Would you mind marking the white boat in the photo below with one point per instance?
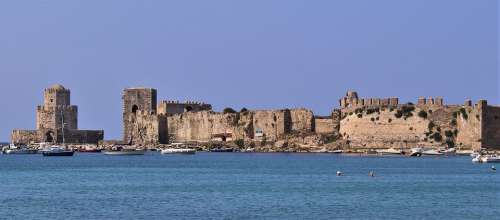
(337, 152)
(449, 151)
(390, 151)
(431, 152)
(178, 151)
(416, 152)
(486, 159)
(124, 152)
(13, 149)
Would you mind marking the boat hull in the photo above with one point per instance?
(222, 150)
(21, 152)
(124, 153)
(58, 154)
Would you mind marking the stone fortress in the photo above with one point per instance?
(359, 123)
(52, 117)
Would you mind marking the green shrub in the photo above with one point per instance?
(431, 125)
(422, 114)
(372, 119)
(437, 137)
(448, 133)
(398, 114)
(228, 110)
(463, 112)
(450, 143)
(240, 143)
(360, 115)
(244, 109)
(453, 122)
(389, 120)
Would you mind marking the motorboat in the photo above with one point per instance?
(486, 159)
(337, 152)
(390, 151)
(13, 149)
(222, 149)
(122, 151)
(431, 152)
(178, 151)
(57, 151)
(416, 152)
(449, 151)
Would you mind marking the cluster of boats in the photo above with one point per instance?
(485, 158)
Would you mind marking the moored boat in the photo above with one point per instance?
(223, 149)
(390, 151)
(416, 152)
(121, 151)
(486, 159)
(57, 151)
(178, 151)
(431, 152)
(13, 149)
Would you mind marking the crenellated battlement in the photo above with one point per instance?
(171, 107)
(351, 100)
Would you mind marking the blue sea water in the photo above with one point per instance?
(246, 186)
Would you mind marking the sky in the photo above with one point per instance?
(260, 54)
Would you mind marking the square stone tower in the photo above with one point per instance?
(56, 108)
(135, 101)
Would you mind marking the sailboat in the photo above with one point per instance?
(56, 150)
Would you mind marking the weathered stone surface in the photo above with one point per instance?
(57, 109)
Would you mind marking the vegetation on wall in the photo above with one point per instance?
(422, 114)
(228, 110)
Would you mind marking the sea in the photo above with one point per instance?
(246, 186)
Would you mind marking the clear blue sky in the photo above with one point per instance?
(257, 54)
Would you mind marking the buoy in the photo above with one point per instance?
(339, 173)
(493, 168)
(372, 174)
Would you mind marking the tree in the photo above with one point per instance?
(422, 114)
(229, 110)
(244, 109)
(240, 143)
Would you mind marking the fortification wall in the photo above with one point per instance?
(176, 107)
(203, 125)
(50, 117)
(469, 127)
(302, 120)
(24, 136)
(324, 125)
(490, 127)
(146, 128)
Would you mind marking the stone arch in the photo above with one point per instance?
(135, 108)
(49, 136)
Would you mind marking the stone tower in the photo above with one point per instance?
(56, 108)
(135, 101)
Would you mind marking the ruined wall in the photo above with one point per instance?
(176, 107)
(24, 136)
(274, 123)
(134, 100)
(51, 117)
(82, 136)
(203, 125)
(491, 126)
(324, 125)
(302, 120)
(146, 129)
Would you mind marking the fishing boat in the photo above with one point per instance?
(57, 151)
(13, 149)
(431, 152)
(178, 151)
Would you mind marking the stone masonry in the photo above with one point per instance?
(52, 117)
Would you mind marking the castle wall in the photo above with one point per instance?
(302, 120)
(490, 127)
(324, 125)
(274, 123)
(135, 100)
(174, 107)
(24, 136)
(383, 130)
(146, 129)
(50, 117)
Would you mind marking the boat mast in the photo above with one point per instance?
(62, 126)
